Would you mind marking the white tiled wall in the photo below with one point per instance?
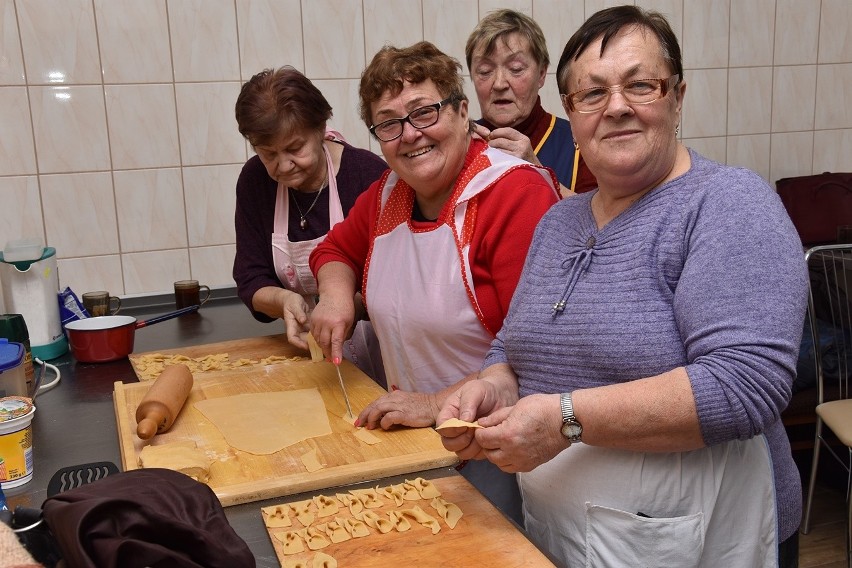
(120, 149)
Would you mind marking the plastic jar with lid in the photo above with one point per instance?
(13, 378)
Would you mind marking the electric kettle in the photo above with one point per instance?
(30, 283)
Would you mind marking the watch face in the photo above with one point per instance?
(572, 431)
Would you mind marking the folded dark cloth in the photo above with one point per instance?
(147, 517)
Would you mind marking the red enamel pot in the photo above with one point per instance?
(107, 338)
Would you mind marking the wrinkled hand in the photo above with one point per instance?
(509, 140)
(524, 436)
(295, 316)
(413, 409)
(473, 400)
(332, 321)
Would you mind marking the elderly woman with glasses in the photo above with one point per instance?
(651, 345)
(436, 246)
(507, 57)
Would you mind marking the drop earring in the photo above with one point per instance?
(576, 146)
(677, 130)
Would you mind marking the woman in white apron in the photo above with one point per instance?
(638, 380)
(436, 245)
(302, 182)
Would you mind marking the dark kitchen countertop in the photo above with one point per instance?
(75, 424)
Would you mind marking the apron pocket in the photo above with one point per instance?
(617, 538)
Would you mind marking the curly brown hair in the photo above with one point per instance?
(391, 67)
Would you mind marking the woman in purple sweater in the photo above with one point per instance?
(657, 321)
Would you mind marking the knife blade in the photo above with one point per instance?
(343, 386)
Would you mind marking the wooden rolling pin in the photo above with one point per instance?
(163, 402)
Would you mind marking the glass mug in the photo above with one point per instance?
(101, 303)
(188, 293)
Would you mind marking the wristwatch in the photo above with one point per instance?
(571, 428)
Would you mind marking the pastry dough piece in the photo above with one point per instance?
(425, 488)
(400, 522)
(305, 511)
(409, 492)
(296, 563)
(276, 516)
(422, 517)
(291, 542)
(393, 492)
(266, 422)
(182, 455)
(366, 436)
(355, 527)
(323, 560)
(450, 512)
(336, 532)
(316, 351)
(355, 505)
(326, 506)
(456, 423)
(316, 538)
(376, 521)
(311, 461)
(369, 497)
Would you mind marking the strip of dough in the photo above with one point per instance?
(456, 423)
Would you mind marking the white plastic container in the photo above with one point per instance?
(31, 288)
(16, 441)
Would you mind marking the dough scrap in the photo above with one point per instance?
(311, 461)
(366, 436)
(267, 422)
(182, 455)
(276, 516)
(316, 351)
(456, 423)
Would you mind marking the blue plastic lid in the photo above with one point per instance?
(11, 354)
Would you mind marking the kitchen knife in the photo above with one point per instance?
(343, 386)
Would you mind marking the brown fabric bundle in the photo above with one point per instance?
(146, 517)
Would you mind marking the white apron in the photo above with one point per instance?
(599, 508)
(291, 258)
(294, 271)
(423, 307)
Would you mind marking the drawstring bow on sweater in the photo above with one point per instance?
(574, 266)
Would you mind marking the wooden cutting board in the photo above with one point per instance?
(240, 477)
(483, 537)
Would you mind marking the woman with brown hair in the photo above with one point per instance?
(303, 180)
(436, 245)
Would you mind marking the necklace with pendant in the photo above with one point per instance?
(303, 222)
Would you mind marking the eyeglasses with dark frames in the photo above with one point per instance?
(638, 92)
(419, 118)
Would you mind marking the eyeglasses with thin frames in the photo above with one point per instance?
(419, 118)
(638, 92)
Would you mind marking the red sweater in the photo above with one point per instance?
(506, 218)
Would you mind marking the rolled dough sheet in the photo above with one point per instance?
(267, 422)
